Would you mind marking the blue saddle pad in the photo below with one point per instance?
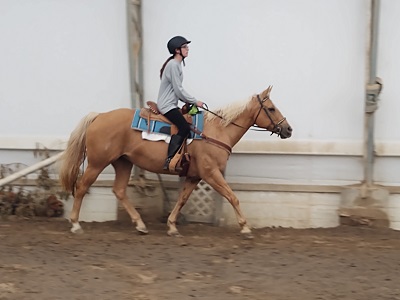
(141, 124)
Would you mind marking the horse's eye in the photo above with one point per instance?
(271, 109)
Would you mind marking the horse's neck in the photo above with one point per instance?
(232, 133)
(245, 121)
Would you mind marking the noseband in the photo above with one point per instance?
(276, 126)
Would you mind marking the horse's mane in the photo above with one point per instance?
(228, 113)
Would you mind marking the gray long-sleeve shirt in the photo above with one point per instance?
(171, 90)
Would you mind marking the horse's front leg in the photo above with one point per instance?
(217, 181)
(188, 187)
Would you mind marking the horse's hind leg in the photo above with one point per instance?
(123, 169)
(187, 189)
(88, 178)
(218, 183)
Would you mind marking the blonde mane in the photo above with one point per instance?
(228, 113)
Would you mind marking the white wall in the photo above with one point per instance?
(387, 116)
(387, 133)
(312, 52)
(59, 61)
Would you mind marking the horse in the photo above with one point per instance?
(107, 138)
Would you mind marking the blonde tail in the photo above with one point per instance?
(74, 154)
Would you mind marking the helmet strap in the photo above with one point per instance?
(180, 53)
(183, 58)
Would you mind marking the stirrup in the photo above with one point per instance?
(166, 164)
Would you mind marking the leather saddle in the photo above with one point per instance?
(180, 162)
(151, 113)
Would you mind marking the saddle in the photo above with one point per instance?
(152, 113)
(180, 162)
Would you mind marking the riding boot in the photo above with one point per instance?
(173, 147)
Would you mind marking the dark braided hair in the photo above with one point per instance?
(163, 66)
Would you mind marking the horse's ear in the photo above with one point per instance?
(267, 92)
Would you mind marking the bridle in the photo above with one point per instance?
(276, 129)
(276, 126)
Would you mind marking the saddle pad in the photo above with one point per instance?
(141, 124)
(160, 137)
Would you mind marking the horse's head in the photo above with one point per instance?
(269, 117)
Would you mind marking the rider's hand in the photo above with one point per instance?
(199, 104)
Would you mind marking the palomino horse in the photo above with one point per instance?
(107, 138)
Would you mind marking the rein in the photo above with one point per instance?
(276, 129)
(220, 144)
(205, 107)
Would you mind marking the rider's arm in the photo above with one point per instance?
(176, 81)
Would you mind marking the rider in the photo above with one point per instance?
(171, 91)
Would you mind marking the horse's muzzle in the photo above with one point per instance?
(285, 132)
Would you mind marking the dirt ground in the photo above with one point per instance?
(41, 259)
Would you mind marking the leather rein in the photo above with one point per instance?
(276, 126)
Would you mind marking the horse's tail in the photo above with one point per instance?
(74, 154)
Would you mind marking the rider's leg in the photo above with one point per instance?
(175, 116)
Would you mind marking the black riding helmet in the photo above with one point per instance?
(176, 43)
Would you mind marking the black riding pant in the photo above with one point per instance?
(175, 116)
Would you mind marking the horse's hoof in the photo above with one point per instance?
(142, 230)
(248, 236)
(77, 230)
(174, 234)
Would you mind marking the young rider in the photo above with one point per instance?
(171, 91)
